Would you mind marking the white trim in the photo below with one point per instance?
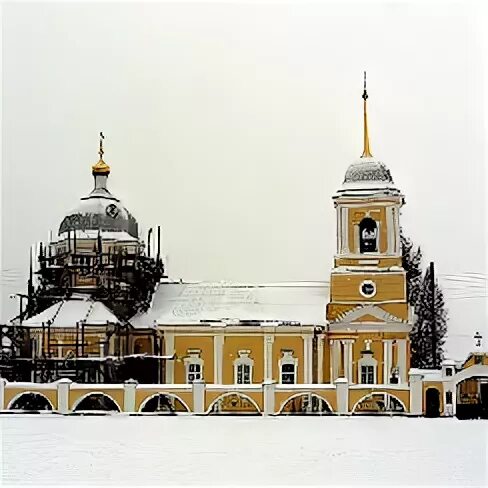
(307, 358)
(402, 359)
(243, 360)
(218, 343)
(367, 282)
(320, 359)
(368, 360)
(193, 359)
(287, 358)
(169, 349)
(390, 230)
(268, 357)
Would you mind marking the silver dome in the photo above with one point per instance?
(368, 170)
(100, 210)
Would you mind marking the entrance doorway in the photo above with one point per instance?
(432, 403)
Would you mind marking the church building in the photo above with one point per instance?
(104, 313)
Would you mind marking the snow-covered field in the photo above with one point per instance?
(122, 450)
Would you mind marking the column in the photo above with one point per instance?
(169, 349)
(390, 231)
(307, 358)
(335, 351)
(402, 360)
(347, 358)
(416, 387)
(218, 357)
(342, 395)
(387, 354)
(130, 387)
(268, 357)
(3, 383)
(198, 388)
(63, 387)
(269, 397)
(320, 359)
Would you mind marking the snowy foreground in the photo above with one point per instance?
(123, 450)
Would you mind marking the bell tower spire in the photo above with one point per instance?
(366, 150)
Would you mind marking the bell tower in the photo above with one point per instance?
(368, 301)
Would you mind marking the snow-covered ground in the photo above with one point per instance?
(122, 450)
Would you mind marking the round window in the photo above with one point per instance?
(367, 288)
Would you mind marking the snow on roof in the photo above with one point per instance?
(189, 303)
(67, 313)
(428, 374)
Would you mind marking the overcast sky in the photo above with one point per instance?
(232, 124)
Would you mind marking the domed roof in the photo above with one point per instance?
(100, 210)
(368, 170)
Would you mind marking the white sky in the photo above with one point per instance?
(232, 125)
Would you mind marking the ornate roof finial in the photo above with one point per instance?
(366, 150)
(102, 137)
(101, 168)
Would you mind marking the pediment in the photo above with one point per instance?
(368, 313)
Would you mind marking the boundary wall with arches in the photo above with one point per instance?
(269, 398)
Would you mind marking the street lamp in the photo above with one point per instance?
(478, 340)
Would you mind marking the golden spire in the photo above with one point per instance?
(101, 168)
(366, 150)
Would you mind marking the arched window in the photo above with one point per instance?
(288, 368)
(243, 367)
(193, 366)
(367, 366)
(368, 235)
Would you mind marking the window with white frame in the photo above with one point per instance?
(193, 366)
(243, 367)
(288, 368)
(367, 366)
(367, 375)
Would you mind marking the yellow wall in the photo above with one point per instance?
(232, 345)
(11, 393)
(205, 344)
(378, 214)
(345, 287)
(295, 343)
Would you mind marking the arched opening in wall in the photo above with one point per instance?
(31, 402)
(164, 404)
(378, 402)
(305, 404)
(234, 404)
(368, 235)
(96, 402)
(432, 402)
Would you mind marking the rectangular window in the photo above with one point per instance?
(288, 374)
(243, 374)
(449, 372)
(449, 397)
(194, 372)
(367, 375)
